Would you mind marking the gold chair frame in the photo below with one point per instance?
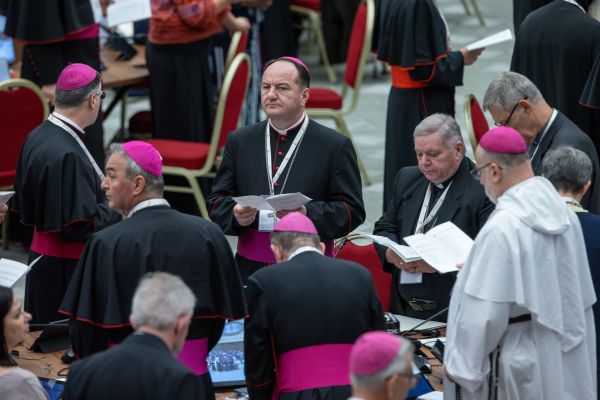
(338, 115)
(476, 8)
(469, 120)
(213, 159)
(232, 49)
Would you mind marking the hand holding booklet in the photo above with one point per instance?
(11, 271)
(278, 202)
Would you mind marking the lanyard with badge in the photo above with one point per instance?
(58, 122)
(267, 219)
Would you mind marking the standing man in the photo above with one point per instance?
(305, 313)
(286, 154)
(550, 39)
(513, 100)
(143, 367)
(58, 190)
(520, 323)
(154, 237)
(439, 190)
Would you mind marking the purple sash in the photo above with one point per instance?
(256, 246)
(313, 367)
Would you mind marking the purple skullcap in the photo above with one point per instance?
(503, 140)
(145, 155)
(74, 76)
(297, 61)
(373, 352)
(296, 222)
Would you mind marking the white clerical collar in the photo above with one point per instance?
(148, 203)
(576, 4)
(68, 121)
(283, 132)
(303, 249)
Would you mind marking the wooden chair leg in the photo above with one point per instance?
(343, 129)
(478, 12)
(315, 21)
(466, 7)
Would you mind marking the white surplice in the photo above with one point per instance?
(529, 258)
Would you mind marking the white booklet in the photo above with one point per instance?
(11, 271)
(442, 247)
(405, 252)
(122, 11)
(5, 197)
(496, 38)
(278, 202)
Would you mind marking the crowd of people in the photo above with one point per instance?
(147, 289)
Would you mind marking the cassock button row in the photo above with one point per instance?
(280, 153)
(276, 168)
(276, 184)
(283, 138)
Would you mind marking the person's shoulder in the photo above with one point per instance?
(408, 176)
(22, 381)
(569, 134)
(325, 134)
(248, 132)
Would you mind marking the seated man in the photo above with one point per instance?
(305, 313)
(154, 237)
(570, 171)
(381, 367)
(513, 100)
(439, 190)
(144, 365)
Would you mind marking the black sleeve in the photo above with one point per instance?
(378, 319)
(259, 363)
(344, 209)
(446, 72)
(190, 387)
(81, 232)
(387, 225)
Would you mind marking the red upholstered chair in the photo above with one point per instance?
(23, 107)
(365, 255)
(328, 103)
(311, 9)
(476, 122)
(197, 160)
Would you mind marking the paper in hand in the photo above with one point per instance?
(496, 38)
(122, 11)
(5, 196)
(286, 201)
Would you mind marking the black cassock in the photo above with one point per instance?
(521, 8)
(410, 35)
(563, 132)
(141, 368)
(58, 193)
(337, 18)
(43, 26)
(324, 169)
(305, 314)
(556, 49)
(156, 238)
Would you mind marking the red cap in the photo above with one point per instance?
(75, 76)
(296, 222)
(503, 140)
(145, 155)
(373, 352)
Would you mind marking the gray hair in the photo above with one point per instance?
(76, 97)
(508, 89)
(568, 169)
(443, 124)
(507, 161)
(290, 241)
(372, 383)
(154, 184)
(159, 300)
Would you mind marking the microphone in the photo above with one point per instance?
(414, 329)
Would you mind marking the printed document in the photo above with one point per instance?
(278, 202)
(496, 38)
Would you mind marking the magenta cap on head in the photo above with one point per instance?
(503, 140)
(373, 352)
(74, 76)
(297, 61)
(296, 222)
(145, 155)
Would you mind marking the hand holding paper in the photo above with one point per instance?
(496, 38)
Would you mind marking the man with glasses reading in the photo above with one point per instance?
(438, 190)
(58, 190)
(513, 100)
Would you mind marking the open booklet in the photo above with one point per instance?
(442, 247)
(11, 271)
(278, 202)
(5, 196)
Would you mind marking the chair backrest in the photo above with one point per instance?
(229, 105)
(358, 48)
(476, 122)
(23, 107)
(237, 45)
(366, 256)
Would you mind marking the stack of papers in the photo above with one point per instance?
(278, 202)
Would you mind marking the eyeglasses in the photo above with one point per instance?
(102, 94)
(476, 173)
(505, 123)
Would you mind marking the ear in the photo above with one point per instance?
(586, 187)
(495, 172)
(460, 149)
(139, 184)
(276, 252)
(91, 101)
(322, 247)
(391, 387)
(305, 95)
(526, 106)
(182, 325)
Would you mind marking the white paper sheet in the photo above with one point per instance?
(279, 202)
(5, 196)
(11, 271)
(496, 38)
(432, 396)
(405, 252)
(122, 11)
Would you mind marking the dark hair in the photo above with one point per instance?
(76, 97)
(6, 302)
(303, 74)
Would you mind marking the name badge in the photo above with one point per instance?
(266, 221)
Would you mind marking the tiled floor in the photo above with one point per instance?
(367, 123)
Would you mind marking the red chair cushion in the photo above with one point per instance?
(141, 122)
(177, 153)
(368, 258)
(7, 178)
(480, 124)
(314, 5)
(324, 98)
(234, 101)
(355, 45)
